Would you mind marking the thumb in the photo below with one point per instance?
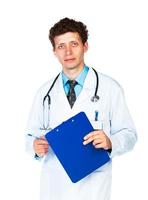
(42, 137)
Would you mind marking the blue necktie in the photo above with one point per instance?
(71, 96)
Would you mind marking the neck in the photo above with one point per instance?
(73, 73)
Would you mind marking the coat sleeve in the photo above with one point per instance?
(34, 125)
(123, 132)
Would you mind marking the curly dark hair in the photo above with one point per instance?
(68, 25)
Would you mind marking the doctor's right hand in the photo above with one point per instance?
(41, 146)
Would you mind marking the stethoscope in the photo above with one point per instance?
(47, 99)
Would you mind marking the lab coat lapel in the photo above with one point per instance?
(87, 90)
(85, 95)
(60, 96)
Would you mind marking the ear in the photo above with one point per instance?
(54, 52)
(85, 46)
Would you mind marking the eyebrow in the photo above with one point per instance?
(61, 43)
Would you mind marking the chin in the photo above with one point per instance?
(70, 66)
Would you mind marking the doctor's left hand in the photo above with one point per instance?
(99, 140)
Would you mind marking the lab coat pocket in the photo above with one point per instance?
(98, 125)
(101, 124)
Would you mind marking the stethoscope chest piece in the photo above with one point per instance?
(95, 98)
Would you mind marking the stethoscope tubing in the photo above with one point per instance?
(95, 98)
(48, 96)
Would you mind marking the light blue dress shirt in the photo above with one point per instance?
(80, 79)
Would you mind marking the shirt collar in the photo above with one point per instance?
(80, 78)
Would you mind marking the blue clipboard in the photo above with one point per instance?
(66, 140)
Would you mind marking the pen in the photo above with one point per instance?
(33, 136)
(96, 115)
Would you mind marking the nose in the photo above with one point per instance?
(68, 50)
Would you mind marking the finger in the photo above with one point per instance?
(97, 132)
(88, 136)
(45, 146)
(42, 151)
(45, 150)
(101, 145)
(42, 147)
(97, 141)
(88, 141)
(42, 142)
(98, 146)
(91, 138)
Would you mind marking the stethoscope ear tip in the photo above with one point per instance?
(95, 98)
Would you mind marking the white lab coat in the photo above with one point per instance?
(117, 124)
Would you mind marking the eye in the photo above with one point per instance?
(74, 44)
(61, 46)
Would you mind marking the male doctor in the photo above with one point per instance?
(72, 93)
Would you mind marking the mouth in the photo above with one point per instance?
(69, 59)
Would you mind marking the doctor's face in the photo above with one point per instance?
(70, 50)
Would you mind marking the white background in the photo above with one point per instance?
(118, 44)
